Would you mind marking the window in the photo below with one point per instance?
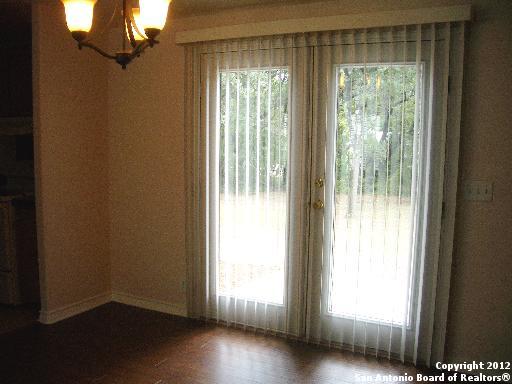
(253, 162)
(376, 152)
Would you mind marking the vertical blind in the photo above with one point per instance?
(354, 120)
(253, 147)
(379, 96)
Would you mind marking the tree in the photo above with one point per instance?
(375, 131)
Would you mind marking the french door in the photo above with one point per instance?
(369, 193)
(257, 185)
(321, 179)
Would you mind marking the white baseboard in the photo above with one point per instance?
(151, 304)
(56, 315)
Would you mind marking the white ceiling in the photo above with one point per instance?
(194, 7)
(189, 7)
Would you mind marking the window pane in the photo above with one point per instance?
(253, 162)
(373, 227)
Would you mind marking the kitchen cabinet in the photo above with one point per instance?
(9, 292)
(19, 281)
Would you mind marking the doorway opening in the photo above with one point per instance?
(19, 267)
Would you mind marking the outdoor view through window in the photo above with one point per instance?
(376, 152)
(253, 161)
(373, 235)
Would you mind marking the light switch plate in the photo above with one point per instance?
(478, 191)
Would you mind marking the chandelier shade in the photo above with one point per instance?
(141, 26)
(153, 13)
(138, 29)
(79, 14)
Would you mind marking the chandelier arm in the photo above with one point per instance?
(134, 24)
(141, 47)
(124, 22)
(99, 50)
(128, 23)
(148, 44)
(125, 56)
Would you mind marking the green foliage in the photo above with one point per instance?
(253, 130)
(375, 131)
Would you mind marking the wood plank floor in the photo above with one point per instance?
(117, 344)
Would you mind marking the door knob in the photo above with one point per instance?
(319, 182)
(319, 204)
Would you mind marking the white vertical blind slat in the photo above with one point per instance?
(400, 185)
(215, 200)
(439, 191)
(237, 165)
(247, 171)
(226, 209)
(419, 151)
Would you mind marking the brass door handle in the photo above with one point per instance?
(319, 204)
(319, 182)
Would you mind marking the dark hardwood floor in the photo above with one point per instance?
(12, 318)
(120, 344)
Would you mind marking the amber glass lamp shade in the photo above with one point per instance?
(79, 14)
(153, 15)
(140, 28)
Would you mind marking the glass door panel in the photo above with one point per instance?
(369, 144)
(253, 184)
(256, 186)
(373, 193)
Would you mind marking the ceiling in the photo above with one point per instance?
(177, 7)
(194, 7)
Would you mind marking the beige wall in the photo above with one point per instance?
(146, 176)
(70, 98)
(145, 161)
(480, 313)
(147, 180)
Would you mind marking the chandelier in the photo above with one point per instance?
(141, 26)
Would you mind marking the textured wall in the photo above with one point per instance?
(70, 115)
(480, 313)
(147, 180)
(146, 177)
